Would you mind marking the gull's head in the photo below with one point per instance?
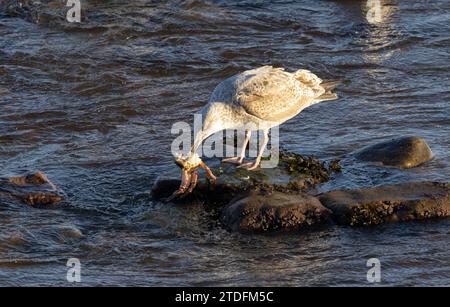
(187, 162)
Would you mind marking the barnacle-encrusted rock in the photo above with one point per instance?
(262, 211)
(389, 203)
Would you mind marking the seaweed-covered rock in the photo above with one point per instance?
(33, 189)
(389, 203)
(261, 211)
(308, 167)
(294, 173)
(403, 152)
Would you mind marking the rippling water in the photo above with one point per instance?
(92, 105)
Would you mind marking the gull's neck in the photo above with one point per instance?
(216, 116)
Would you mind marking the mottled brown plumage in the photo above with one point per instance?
(257, 99)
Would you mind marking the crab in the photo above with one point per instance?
(189, 177)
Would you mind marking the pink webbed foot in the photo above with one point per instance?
(250, 166)
(233, 160)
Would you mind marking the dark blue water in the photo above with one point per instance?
(92, 105)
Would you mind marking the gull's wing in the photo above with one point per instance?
(275, 95)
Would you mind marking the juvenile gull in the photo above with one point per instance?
(260, 99)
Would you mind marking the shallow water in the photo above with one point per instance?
(92, 105)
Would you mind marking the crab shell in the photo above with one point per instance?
(188, 163)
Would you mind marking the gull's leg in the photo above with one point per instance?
(253, 165)
(238, 160)
(185, 184)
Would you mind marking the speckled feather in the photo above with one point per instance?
(264, 97)
(270, 94)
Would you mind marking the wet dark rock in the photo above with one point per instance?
(293, 173)
(276, 199)
(32, 189)
(389, 203)
(404, 152)
(262, 211)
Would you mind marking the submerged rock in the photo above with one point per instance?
(259, 211)
(389, 203)
(293, 173)
(33, 189)
(404, 152)
(69, 232)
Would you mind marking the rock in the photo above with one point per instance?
(389, 203)
(33, 189)
(293, 173)
(257, 211)
(69, 232)
(404, 152)
(164, 186)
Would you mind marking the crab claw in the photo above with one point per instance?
(193, 183)
(209, 173)
(185, 184)
(189, 178)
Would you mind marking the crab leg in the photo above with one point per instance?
(185, 183)
(194, 179)
(208, 171)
